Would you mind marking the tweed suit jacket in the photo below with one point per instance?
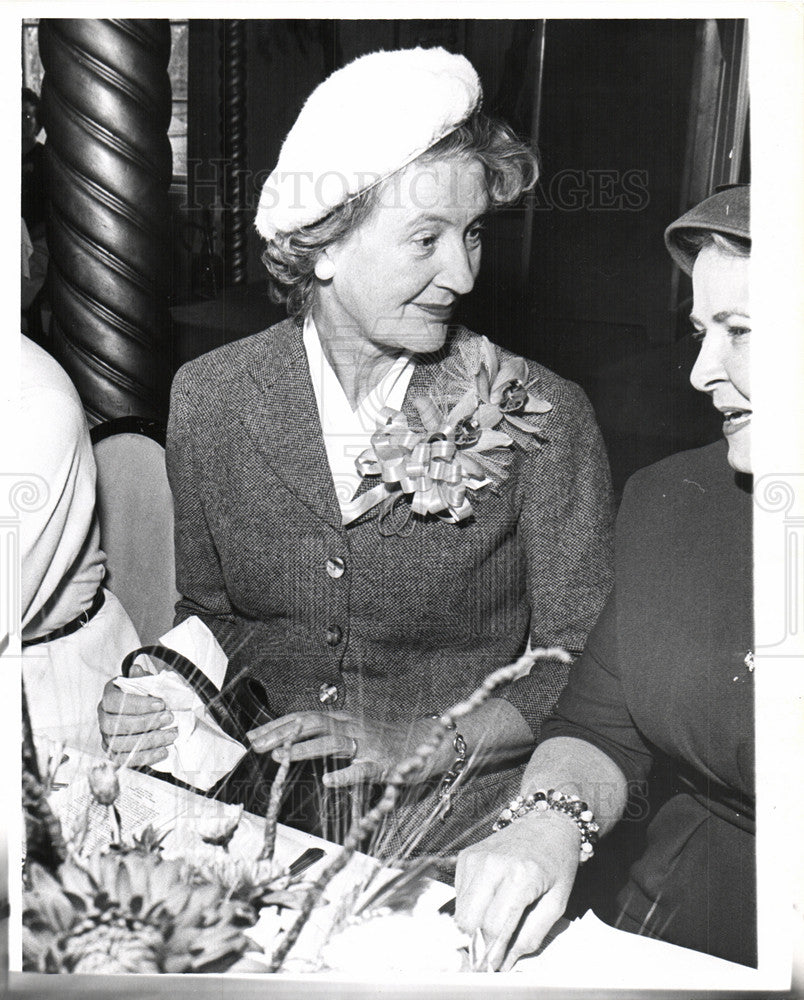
(414, 623)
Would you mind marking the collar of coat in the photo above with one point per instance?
(280, 412)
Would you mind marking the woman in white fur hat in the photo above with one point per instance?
(375, 507)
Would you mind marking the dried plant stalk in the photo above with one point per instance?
(275, 801)
(405, 769)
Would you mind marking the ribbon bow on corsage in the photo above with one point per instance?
(461, 451)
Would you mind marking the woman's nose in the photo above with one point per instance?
(457, 269)
(708, 369)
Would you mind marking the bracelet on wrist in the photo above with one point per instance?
(542, 801)
(451, 776)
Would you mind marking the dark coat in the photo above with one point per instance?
(664, 676)
(414, 623)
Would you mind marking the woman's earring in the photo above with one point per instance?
(324, 269)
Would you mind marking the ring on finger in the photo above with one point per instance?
(355, 746)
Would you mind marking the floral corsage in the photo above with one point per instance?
(457, 452)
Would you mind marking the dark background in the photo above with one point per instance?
(596, 298)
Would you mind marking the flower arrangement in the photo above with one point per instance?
(456, 451)
(129, 912)
(126, 907)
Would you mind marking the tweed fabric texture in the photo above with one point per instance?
(422, 619)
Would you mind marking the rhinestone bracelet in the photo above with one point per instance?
(578, 811)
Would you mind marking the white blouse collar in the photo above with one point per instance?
(348, 432)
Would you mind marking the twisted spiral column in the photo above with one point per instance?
(233, 137)
(106, 101)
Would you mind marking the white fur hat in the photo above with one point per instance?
(363, 123)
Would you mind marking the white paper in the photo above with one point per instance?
(596, 953)
(202, 753)
(194, 640)
(176, 812)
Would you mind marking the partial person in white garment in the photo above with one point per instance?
(75, 633)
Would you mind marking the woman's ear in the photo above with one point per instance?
(324, 268)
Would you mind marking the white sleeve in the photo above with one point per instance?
(56, 455)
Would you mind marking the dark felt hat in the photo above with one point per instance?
(726, 212)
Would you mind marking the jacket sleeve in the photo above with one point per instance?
(593, 707)
(199, 576)
(54, 535)
(565, 528)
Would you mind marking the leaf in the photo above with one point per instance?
(149, 841)
(218, 946)
(176, 962)
(42, 882)
(492, 439)
(37, 947)
(430, 415)
(78, 903)
(48, 901)
(489, 359)
(522, 425)
(482, 385)
(512, 369)
(536, 405)
(493, 466)
(58, 911)
(123, 885)
(488, 415)
(77, 881)
(470, 465)
(464, 408)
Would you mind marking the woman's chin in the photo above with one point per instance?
(422, 336)
(739, 455)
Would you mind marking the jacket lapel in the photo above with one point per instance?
(429, 379)
(281, 416)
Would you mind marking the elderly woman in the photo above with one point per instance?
(374, 507)
(667, 671)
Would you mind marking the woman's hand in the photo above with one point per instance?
(372, 747)
(514, 885)
(132, 725)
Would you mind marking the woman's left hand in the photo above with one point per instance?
(514, 885)
(372, 747)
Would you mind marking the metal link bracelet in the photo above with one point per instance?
(452, 775)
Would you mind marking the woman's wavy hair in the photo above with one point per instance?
(511, 168)
(693, 242)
